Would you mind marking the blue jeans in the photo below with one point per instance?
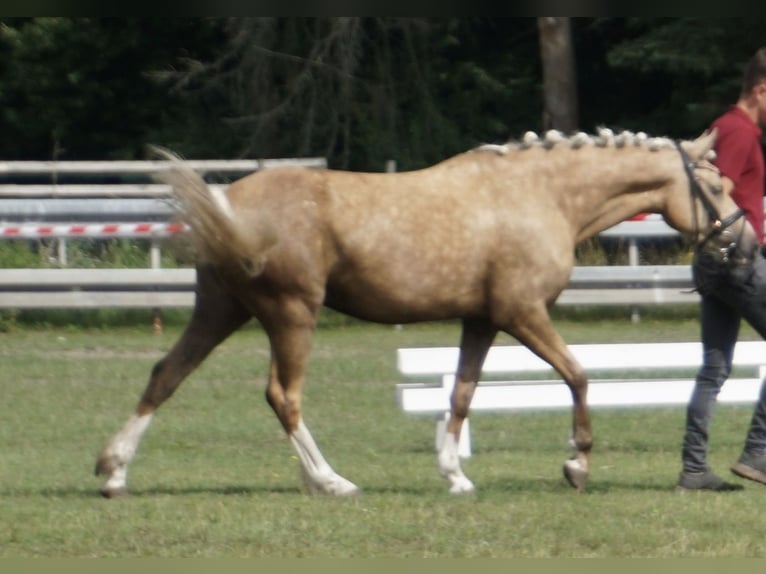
(730, 292)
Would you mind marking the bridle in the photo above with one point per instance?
(717, 224)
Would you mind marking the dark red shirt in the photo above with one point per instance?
(740, 158)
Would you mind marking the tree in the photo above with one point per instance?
(81, 88)
(357, 90)
(559, 79)
(666, 76)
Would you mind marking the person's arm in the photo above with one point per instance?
(727, 185)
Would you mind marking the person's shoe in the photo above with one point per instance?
(704, 481)
(751, 466)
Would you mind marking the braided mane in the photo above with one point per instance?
(605, 138)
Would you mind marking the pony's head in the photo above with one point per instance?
(697, 204)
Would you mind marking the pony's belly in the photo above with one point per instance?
(403, 306)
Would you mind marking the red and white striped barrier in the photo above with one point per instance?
(160, 230)
(94, 230)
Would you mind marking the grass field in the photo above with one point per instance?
(216, 477)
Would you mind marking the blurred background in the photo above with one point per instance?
(358, 91)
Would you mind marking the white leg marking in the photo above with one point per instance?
(575, 465)
(317, 473)
(449, 467)
(121, 451)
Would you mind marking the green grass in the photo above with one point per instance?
(216, 477)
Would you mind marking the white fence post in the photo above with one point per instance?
(154, 255)
(635, 314)
(61, 252)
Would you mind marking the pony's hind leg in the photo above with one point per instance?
(216, 315)
(477, 336)
(290, 334)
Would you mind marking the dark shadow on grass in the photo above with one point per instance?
(507, 486)
(254, 490)
(222, 490)
(85, 493)
(555, 485)
(50, 492)
(515, 484)
(596, 486)
(511, 486)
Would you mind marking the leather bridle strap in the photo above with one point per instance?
(696, 190)
(717, 225)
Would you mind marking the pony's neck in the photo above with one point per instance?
(621, 184)
(616, 209)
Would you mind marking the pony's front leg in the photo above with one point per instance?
(577, 468)
(116, 456)
(537, 333)
(477, 336)
(290, 350)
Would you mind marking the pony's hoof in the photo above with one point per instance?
(115, 485)
(462, 489)
(344, 487)
(575, 474)
(334, 485)
(113, 492)
(460, 485)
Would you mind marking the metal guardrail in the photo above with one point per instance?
(164, 288)
(630, 285)
(96, 288)
(55, 210)
(100, 168)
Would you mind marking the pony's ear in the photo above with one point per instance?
(702, 147)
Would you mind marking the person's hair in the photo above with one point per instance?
(755, 72)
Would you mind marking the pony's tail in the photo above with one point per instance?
(219, 234)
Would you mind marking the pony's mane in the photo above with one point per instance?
(604, 138)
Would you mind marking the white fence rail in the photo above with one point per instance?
(629, 375)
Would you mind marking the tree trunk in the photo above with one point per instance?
(559, 84)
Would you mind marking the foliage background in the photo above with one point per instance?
(358, 91)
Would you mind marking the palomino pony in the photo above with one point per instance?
(487, 236)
